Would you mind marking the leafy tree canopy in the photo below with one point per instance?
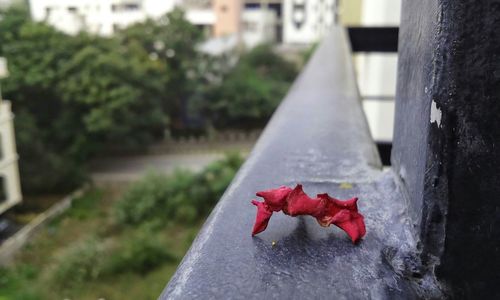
(249, 93)
(73, 95)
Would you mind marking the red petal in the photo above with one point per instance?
(263, 216)
(275, 198)
(300, 204)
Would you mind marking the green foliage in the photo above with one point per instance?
(141, 201)
(117, 95)
(140, 252)
(156, 200)
(72, 95)
(84, 207)
(81, 262)
(12, 282)
(250, 92)
(83, 259)
(183, 196)
(171, 42)
(75, 95)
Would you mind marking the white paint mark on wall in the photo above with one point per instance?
(435, 114)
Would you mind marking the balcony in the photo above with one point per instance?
(318, 137)
(432, 218)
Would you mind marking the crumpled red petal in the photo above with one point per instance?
(326, 210)
(263, 216)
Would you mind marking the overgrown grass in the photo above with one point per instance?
(118, 245)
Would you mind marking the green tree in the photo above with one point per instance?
(72, 95)
(116, 94)
(248, 93)
(172, 41)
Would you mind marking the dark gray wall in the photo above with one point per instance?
(447, 138)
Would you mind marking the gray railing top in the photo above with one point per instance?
(318, 137)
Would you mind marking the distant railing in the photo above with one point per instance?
(368, 40)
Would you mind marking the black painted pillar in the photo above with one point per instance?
(447, 139)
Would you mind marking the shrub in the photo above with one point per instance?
(13, 283)
(141, 252)
(137, 251)
(211, 183)
(182, 197)
(153, 195)
(79, 263)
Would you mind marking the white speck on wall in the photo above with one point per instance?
(435, 114)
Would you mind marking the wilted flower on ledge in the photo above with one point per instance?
(326, 210)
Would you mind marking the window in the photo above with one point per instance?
(48, 10)
(131, 6)
(72, 9)
(125, 7)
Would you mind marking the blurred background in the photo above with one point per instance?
(122, 122)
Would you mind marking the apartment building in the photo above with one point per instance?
(104, 17)
(307, 21)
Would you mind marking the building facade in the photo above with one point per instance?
(228, 16)
(104, 17)
(306, 22)
(10, 188)
(217, 18)
(259, 27)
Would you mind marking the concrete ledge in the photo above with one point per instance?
(318, 137)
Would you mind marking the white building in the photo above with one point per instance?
(198, 12)
(306, 21)
(104, 17)
(10, 188)
(258, 26)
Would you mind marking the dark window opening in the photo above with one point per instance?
(252, 5)
(3, 190)
(125, 7)
(384, 150)
(131, 6)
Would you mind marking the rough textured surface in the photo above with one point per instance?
(447, 138)
(416, 46)
(318, 137)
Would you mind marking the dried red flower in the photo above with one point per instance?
(326, 210)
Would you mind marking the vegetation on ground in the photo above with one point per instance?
(102, 248)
